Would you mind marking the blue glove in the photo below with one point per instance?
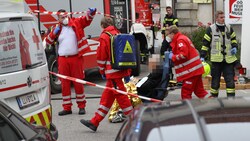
(234, 51)
(127, 79)
(170, 55)
(92, 11)
(56, 30)
(202, 59)
(103, 77)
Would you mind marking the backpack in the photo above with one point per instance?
(123, 51)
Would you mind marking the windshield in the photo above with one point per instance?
(20, 46)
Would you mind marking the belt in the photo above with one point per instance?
(68, 56)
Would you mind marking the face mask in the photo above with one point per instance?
(168, 39)
(65, 21)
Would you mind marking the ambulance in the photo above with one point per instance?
(24, 76)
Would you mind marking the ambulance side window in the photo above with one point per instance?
(20, 46)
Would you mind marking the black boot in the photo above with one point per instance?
(82, 111)
(230, 94)
(88, 124)
(64, 112)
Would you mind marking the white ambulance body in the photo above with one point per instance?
(24, 77)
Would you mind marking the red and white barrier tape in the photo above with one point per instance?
(103, 87)
(72, 13)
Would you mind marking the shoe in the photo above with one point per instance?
(82, 111)
(88, 124)
(211, 96)
(119, 117)
(64, 112)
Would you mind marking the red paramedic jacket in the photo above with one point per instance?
(186, 58)
(78, 25)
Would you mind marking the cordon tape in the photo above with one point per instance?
(84, 12)
(103, 87)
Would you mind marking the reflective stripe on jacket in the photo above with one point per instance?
(186, 58)
(216, 45)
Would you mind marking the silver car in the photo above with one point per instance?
(224, 119)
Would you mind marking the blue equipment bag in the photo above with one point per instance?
(123, 51)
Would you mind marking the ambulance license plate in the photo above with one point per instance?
(27, 100)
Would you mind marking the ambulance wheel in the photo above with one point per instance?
(55, 83)
(136, 71)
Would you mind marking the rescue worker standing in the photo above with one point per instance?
(220, 40)
(72, 45)
(114, 78)
(187, 64)
(169, 19)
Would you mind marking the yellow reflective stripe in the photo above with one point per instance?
(233, 35)
(169, 19)
(175, 21)
(142, 54)
(230, 90)
(207, 37)
(127, 63)
(46, 119)
(213, 91)
(28, 118)
(111, 43)
(37, 119)
(204, 48)
(234, 41)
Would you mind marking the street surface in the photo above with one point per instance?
(69, 126)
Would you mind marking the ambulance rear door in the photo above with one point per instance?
(24, 78)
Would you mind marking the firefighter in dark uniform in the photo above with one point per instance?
(169, 20)
(220, 40)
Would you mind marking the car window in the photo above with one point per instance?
(226, 115)
(18, 121)
(20, 46)
(6, 131)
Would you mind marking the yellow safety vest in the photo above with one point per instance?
(216, 46)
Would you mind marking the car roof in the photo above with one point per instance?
(203, 117)
(5, 16)
(178, 108)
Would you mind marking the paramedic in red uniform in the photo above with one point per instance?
(113, 77)
(72, 45)
(187, 64)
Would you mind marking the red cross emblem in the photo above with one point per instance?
(35, 39)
